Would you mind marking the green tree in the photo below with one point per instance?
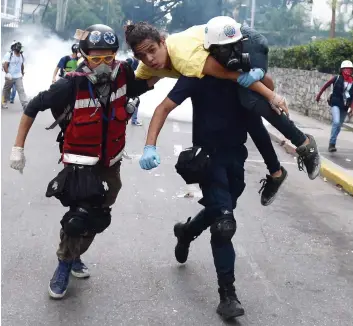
(151, 11)
(284, 27)
(195, 12)
(83, 13)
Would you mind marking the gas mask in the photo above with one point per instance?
(103, 73)
(17, 47)
(231, 56)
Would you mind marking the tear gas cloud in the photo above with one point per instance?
(42, 52)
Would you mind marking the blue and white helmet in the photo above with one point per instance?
(222, 30)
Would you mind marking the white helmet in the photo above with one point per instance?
(222, 30)
(346, 64)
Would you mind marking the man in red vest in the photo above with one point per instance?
(91, 106)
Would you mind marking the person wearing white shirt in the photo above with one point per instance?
(14, 69)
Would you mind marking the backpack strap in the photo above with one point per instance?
(61, 117)
(66, 111)
(11, 53)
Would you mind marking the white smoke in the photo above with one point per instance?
(152, 99)
(43, 50)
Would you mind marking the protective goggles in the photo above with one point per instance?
(98, 59)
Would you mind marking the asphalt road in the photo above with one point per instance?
(294, 258)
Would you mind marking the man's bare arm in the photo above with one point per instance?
(160, 115)
(23, 129)
(55, 73)
(6, 67)
(268, 82)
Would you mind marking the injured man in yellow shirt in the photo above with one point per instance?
(224, 49)
(184, 54)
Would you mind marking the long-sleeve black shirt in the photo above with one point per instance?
(63, 92)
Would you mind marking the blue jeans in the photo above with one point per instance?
(338, 117)
(13, 93)
(224, 185)
(134, 115)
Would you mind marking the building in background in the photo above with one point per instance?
(11, 11)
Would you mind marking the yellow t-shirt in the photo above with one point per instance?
(186, 53)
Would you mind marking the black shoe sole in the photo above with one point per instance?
(269, 202)
(235, 314)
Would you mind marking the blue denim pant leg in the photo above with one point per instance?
(134, 115)
(13, 93)
(338, 117)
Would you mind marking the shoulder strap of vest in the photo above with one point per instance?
(66, 111)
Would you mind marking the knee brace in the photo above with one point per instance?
(75, 222)
(223, 229)
(78, 221)
(100, 219)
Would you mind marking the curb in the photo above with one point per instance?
(329, 170)
(348, 126)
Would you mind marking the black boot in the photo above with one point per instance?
(332, 148)
(184, 239)
(230, 306)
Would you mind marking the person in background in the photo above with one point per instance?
(67, 63)
(13, 89)
(340, 101)
(13, 94)
(133, 62)
(13, 66)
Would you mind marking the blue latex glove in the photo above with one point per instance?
(150, 158)
(248, 78)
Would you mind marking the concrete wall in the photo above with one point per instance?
(300, 88)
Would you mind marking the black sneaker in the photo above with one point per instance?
(229, 306)
(332, 148)
(310, 157)
(184, 240)
(270, 187)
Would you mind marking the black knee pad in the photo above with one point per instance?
(75, 222)
(223, 229)
(100, 219)
(79, 221)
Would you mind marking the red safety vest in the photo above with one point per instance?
(83, 138)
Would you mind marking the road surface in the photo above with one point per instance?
(294, 258)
